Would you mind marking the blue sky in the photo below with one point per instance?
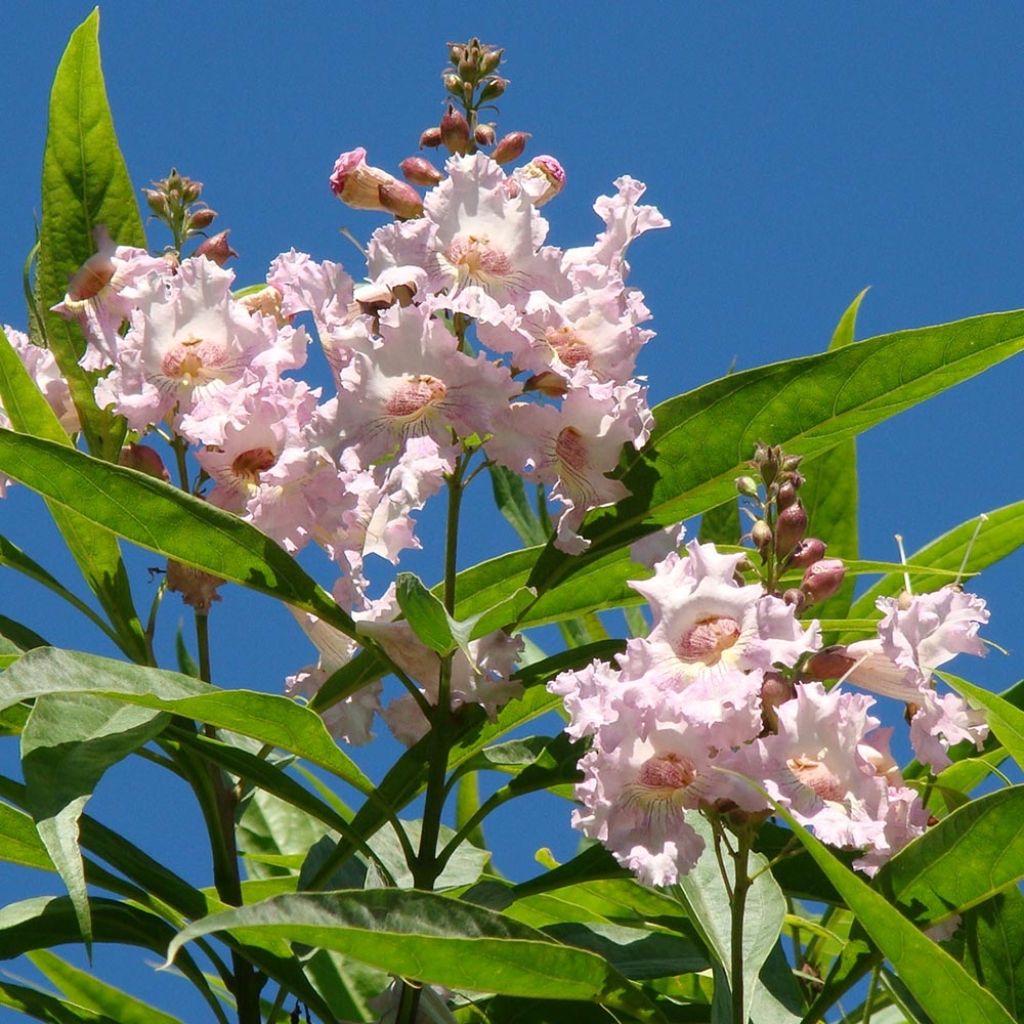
(802, 152)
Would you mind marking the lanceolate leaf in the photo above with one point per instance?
(67, 744)
(514, 505)
(703, 438)
(1007, 722)
(941, 985)
(31, 1002)
(162, 518)
(85, 185)
(993, 940)
(436, 940)
(263, 716)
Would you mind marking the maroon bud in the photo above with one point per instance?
(455, 131)
(790, 528)
(430, 139)
(510, 147)
(156, 201)
(795, 597)
(484, 135)
(145, 459)
(807, 552)
(400, 199)
(200, 220)
(829, 663)
(823, 579)
(775, 690)
(420, 171)
(216, 248)
(786, 495)
(493, 89)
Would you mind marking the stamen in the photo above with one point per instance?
(982, 520)
(903, 561)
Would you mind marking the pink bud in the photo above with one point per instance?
(548, 170)
(145, 459)
(808, 551)
(216, 248)
(431, 138)
(400, 199)
(823, 579)
(775, 690)
(455, 131)
(790, 528)
(420, 171)
(202, 219)
(484, 135)
(829, 663)
(510, 147)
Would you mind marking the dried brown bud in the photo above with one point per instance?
(808, 551)
(823, 579)
(430, 139)
(419, 171)
(790, 528)
(510, 147)
(484, 135)
(400, 199)
(144, 459)
(216, 248)
(547, 383)
(455, 131)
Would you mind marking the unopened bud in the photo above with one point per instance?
(455, 131)
(430, 139)
(198, 589)
(510, 147)
(786, 495)
(490, 60)
(216, 248)
(795, 597)
(484, 135)
(144, 459)
(761, 535)
(456, 52)
(747, 486)
(791, 462)
(156, 201)
(807, 551)
(542, 179)
(420, 171)
(356, 183)
(775, 690)
(828, 663)
(493, 89)
(201, 219)
(790, 528)
(400, 199)
(822, 579)
(453, 84)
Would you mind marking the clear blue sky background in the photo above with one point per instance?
(802, 151)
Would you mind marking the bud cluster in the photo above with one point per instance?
(175, 201)
(780, 528)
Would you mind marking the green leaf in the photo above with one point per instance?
(721, 525)
(1000, 535)
(262, 716)
(941, 985)
(846, 329)
(993, 937)
(85, 990)
(705, 895)
(85, 184)
(436, 940)
(45, 1007)
(68, 742)
(1006, 721)
(964, 860)
(20, 842)
(94, 549)
(514, 505)
(162, 518)
(426, 614)
(703, 438)
(21, 636)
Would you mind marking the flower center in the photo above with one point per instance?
(570, 449)
(415, 395)
(660, 787)
(248, 466)
(815, 775)
(568, 345)
(474, 256)
(707, 640)
(193, 361)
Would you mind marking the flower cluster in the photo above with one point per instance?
(724, 689)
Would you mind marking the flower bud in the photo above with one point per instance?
(356, 183)
(828, 663)
(201, 219)
(747, 486)
(775, 690)
(786, 495)
(790, 528)
(400, 199)
(791, 462)
(456, 52)
(452, 83)
(430, 139)
(156, 201)
(490, 60)
(795, 597)
(807, 552)
(761, 535)
(144, 459)
(510, 147)
(197, 588)
(484, 135)
(420, 171)
(543, 178)
(493, 89)
(455, 131)
(216, 248)
(823, 579)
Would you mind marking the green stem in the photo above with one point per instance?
(740, 887)
(872, 990)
